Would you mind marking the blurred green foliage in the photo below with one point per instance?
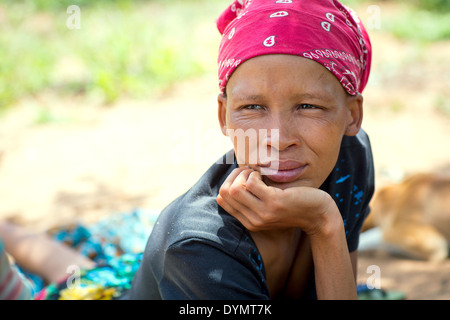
(139, 47)
(433, 5)
(423, 21)
(58, 5)
(420, 25)
(123, 47)
(439, 6)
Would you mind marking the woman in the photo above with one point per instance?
(284, 225)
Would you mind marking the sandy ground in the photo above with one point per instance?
(95, 161)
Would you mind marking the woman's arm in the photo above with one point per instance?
(260, 207)
(333, 266)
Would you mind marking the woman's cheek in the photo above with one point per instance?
(245, 133)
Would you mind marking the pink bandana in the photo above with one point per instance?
(322, 30)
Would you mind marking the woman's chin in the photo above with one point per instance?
(286, 185)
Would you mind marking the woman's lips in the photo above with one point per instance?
(283, 171)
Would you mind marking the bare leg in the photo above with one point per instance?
(39, 253)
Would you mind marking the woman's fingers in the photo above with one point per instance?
(233, 190)
(230, 179)
(224, 199)
(234, 207)
(257, 206)
(234, 186)
(238, 201)
(236, 210)
(256, 185)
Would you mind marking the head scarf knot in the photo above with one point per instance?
(325, 31)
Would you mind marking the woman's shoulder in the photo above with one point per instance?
(196, 215)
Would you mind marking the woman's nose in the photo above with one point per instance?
(284, 134)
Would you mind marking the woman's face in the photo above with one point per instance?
(307, 106)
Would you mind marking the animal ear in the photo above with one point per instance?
(355, 107)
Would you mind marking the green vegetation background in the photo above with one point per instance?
(139, 48)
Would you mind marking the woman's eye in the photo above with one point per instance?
(253, 107)
(306, 106)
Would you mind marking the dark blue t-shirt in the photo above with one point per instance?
(198, 251)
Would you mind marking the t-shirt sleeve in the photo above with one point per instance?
(200, 269)
(352, 185)
(353, 239)
(366, 175)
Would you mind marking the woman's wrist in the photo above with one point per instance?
(330, 223)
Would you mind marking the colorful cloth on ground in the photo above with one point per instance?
(13, 285)
(105, 282)
(369, 293)
(116, 244)
(322, 30)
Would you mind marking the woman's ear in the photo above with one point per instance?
(222, 101)
(355, 107)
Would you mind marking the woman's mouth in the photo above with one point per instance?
(283, 171)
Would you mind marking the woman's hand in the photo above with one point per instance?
(260, 207)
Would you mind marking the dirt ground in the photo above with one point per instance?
(91, 161)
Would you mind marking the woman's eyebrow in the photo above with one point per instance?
(252, 97)
(300, 96)
(315, 96)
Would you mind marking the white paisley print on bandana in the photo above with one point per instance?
(325, 31)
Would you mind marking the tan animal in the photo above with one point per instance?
(414, 216)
